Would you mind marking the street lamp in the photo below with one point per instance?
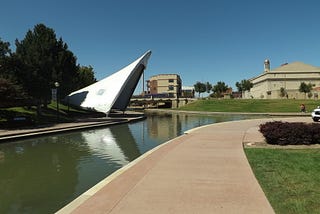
(56, 84)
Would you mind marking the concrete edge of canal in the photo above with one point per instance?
(18, 134)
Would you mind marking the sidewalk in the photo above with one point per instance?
(203, 171)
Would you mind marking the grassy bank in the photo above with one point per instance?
(250, 105)
(48, 115)
(289, 178)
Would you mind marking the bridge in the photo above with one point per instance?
(159, 102)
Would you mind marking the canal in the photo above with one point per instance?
(43, 174)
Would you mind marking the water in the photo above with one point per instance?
(41, 175)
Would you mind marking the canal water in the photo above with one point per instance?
(43, 174)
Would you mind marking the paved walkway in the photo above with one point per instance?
(203, 171)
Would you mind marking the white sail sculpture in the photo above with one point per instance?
(113, 92)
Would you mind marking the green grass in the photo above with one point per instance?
(250, 105)
(49, 114)
(290, 178)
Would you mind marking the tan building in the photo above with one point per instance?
(169, 84)
(284, 81)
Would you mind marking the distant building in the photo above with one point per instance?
(165, 84)
(284, 81)
(228, 93)
(187, 92)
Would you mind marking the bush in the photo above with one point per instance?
(285, 133)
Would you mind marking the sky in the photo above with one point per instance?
(201, 40)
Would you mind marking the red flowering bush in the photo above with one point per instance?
(285, 133)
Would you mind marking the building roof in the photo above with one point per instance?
(297, 66)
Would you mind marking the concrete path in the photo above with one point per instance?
(203, 171)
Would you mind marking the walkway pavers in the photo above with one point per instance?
(203, 171)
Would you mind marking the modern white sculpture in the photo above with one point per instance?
(113, 92)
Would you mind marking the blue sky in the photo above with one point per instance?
(201, 40)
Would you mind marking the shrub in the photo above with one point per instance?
(285, 133)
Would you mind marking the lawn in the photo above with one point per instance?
(49, 114)
(250, 105)
(290, 178)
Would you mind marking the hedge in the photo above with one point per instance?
(285, 133)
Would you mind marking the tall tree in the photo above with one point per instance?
(200, 87)
(11, 94)
(43, 61)
(244, 85)
(5, 53)
(67, 70)
(4, 49)
(10, 91)
(208, 87)
(219, 88)
(85, 76)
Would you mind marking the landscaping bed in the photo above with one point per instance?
(285, 133)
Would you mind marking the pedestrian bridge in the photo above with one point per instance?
(159, 102)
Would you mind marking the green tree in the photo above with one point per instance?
(4, 49)
(244, 85)
(5, 53)
(219, 88)
(283, 92)
(305, 88)
(200, 87)
(85, 76)
(68, 71)
(208, 87)
(43, 61)
(10, 91)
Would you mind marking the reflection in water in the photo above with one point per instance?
(37, 173)
(41, 175)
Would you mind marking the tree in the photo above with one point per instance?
(244, 85)
(10, 93)
(200, 87)
(4, 49)
(43, 61)
(5, 53)
(283, 92)
(208, 87)
(305, 88)
(85, 76)
(68, 71)
(219, 88)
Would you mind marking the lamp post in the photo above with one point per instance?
(56, 84)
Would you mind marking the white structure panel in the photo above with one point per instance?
(114, 91)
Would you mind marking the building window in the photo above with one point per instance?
(171, 87)
(171, 80)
